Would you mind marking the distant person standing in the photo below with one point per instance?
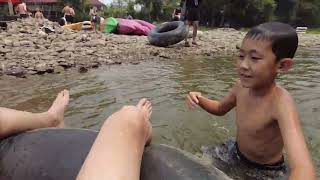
(176, 15)
(39, 16)
(95, 19)
(192, 17)
(72, 12)
(68, 13)
(128, 16)
(21, 9)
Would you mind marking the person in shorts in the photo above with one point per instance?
(192, 17)
(69, 13)
(21, 9)
(95, 19)
(267, 119)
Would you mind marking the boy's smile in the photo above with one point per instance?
(256, 64)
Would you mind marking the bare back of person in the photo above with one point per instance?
(67, 10)
(258, 132)
(22, 9)
(38, 15)
(71, 10)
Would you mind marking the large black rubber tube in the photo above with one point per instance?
(57, 154)
(168, 33)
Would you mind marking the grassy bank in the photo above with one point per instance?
(314, 31)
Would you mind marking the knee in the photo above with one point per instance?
(134, 117)
(131, 117)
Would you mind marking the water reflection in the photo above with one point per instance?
(98, 93)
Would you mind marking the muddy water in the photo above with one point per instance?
(98, 93)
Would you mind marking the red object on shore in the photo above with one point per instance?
(13, 1)
(41, 1)
(96, 3)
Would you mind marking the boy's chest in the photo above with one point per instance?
(254, 115)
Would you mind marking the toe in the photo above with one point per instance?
(66, 94)
(142, 102)
(60, 94)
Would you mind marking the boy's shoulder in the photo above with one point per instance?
(283, 104)
(281, 95)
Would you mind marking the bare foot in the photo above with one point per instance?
(146, 108)
(57, 109)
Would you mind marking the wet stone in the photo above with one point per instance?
(8, 42)
(4, 50)
(58, 69)
(82, 69)
(41, 67)
(18, 72)
(65, 65)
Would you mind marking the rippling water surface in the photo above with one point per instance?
(98, 93)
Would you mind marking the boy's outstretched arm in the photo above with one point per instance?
(218, 108)
(300, 163)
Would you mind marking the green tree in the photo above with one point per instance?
(286, 10)
(236, 13)
(249, 12)
(308, 13)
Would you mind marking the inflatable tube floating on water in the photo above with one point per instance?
(168, 33)
(57, 154)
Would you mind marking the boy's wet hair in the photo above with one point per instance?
(284, 39)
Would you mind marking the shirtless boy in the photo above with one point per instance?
(21, 9)
(69, 13)
(38, 15)
(266, 117)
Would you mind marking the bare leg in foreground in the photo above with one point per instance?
(117, 152)
(13, 121)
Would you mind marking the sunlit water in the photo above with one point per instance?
(98, 93)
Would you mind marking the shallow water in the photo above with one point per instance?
(98, 93)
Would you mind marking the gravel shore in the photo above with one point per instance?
(27, 50)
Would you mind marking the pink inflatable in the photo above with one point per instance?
(134, 27)
(146, 24)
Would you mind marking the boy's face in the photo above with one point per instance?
(256, 64)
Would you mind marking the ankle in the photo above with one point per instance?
(51, 119)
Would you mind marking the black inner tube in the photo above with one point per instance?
(168, 34)
(168, 28)
(58, 154)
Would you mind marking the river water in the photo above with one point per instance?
(98, 93)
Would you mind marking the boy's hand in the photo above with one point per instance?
(193, 99)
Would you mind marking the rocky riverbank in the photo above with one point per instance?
(27, 50)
